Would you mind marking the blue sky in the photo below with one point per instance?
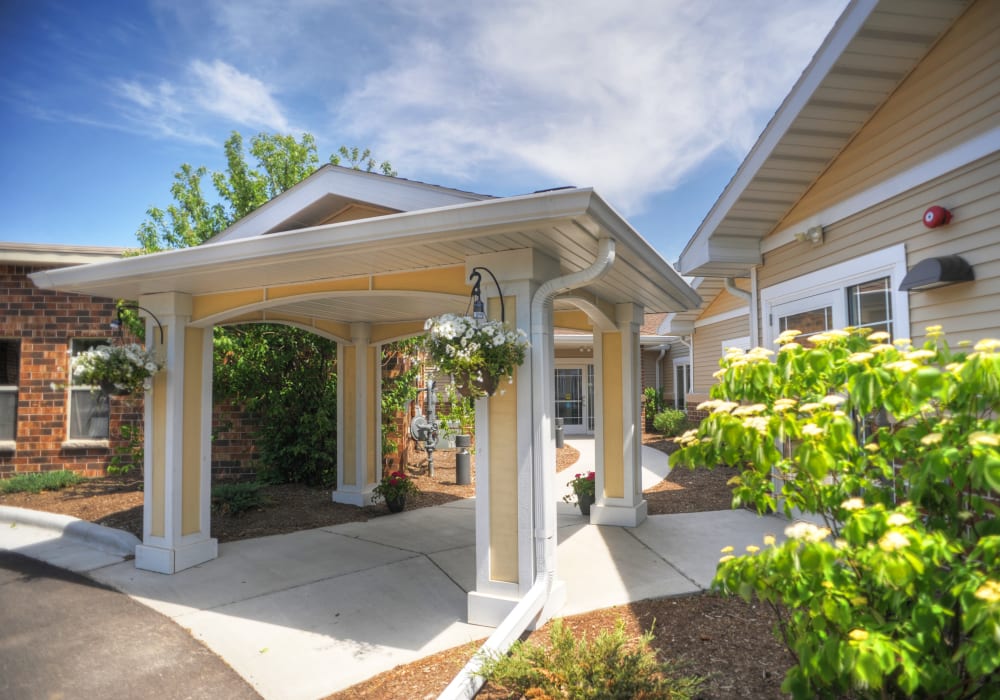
(653, 103)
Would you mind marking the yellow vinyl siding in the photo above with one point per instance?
(973, 195)
(952, 95)
(708, 349)
(724, 301)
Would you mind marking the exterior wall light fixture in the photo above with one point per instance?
(936, 272)
(814, 234)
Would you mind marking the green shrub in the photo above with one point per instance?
(237, 497)
(131, 455)
(613, 665)
(670, 422)
(37, 482)
(896, 451)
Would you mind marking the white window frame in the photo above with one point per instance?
(681, 392)
(7, 445)
(889, 262)
(70, 388)
(743, 343)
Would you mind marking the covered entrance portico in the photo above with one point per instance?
(306, 259)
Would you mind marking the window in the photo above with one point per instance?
(859, 292)
(89, 411)
(682, 382)
(869, 305)
(10, 368)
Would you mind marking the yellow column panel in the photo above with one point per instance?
(159, 453)
(614, 438)
(194, 359)
(373, 432)
(503, 470)
(347, 384)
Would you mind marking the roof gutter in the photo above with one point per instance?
(467, 683)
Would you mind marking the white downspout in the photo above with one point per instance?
(466, 684)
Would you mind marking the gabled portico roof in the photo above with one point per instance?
(565, 225)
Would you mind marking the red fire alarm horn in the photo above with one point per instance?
(936, 216)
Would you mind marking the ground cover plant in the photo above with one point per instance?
(896, 451)
(611, 665)
(36, 482)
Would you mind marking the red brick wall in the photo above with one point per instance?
(44, 322)
(233, 451)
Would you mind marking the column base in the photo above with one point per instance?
(491, 610)
(623, 516)
(353, 498)
(170, 560)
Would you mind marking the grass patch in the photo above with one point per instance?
(36, 482)
(613, 665)
(237, 497)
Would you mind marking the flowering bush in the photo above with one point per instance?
(897, 451)
(120, 369)
(583, 485)
(477, 355)
(394, 486)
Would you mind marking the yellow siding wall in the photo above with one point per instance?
(970, 310)
(708, 349)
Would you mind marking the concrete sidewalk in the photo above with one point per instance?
(305, 614)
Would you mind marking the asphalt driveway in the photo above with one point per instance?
(64, 636)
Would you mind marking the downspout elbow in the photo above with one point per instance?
(731, 287)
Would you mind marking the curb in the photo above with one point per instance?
(105, 539)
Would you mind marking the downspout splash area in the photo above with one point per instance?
(466, 684)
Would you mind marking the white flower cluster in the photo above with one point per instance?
(464, 338)
(126, 367)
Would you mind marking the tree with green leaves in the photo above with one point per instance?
(896, 450)
(284, 375)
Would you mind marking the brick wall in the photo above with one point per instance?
(44, 322)
(234, 455)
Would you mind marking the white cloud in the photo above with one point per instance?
(627, 97)
(228, 93)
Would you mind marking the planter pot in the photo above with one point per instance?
(467, 386)
(396, 505)
(584, 500)
(111, 390)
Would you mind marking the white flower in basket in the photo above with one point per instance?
(477, 355)
(115, 369)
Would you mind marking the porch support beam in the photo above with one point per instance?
(178, 448)
(357, 418)
(618, 442)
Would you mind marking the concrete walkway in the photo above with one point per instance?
(305, 614)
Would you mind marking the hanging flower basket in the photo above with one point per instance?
(117, 370)
(477, 355)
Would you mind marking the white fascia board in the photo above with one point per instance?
(697, 252)
(56, 255)
(676, 327)
(383, 191)
(443, 224)
(954, 158)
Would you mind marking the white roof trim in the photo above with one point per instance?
(833, 46)
(394, 193)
